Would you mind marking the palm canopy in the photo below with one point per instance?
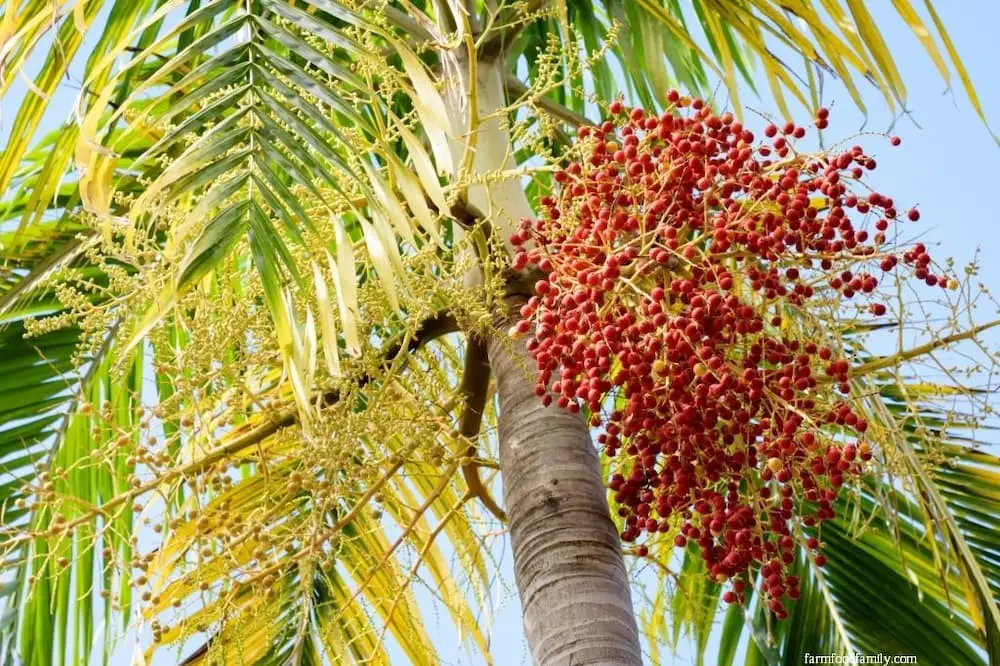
(294, 454)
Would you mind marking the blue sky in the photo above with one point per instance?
(949, 166)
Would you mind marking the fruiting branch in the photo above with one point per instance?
(516, 88)
(439, 324)
(916, 352)
(418, 514)
(512, 24)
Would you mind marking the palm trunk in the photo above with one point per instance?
(567, 558)
(568, 563)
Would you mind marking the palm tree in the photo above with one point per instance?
(255, 392)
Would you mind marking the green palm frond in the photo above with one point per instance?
(254, 121)
(659, 44)
(46, 376)
(51, 579)
(25, 25)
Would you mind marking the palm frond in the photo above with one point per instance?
(649, 46)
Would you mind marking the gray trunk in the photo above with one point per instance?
(568, 563)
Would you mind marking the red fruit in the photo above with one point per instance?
(913, 214)
(895, 140)
(644, 310)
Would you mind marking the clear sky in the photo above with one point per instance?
(949, 165)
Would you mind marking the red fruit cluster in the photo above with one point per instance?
(685, 266)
